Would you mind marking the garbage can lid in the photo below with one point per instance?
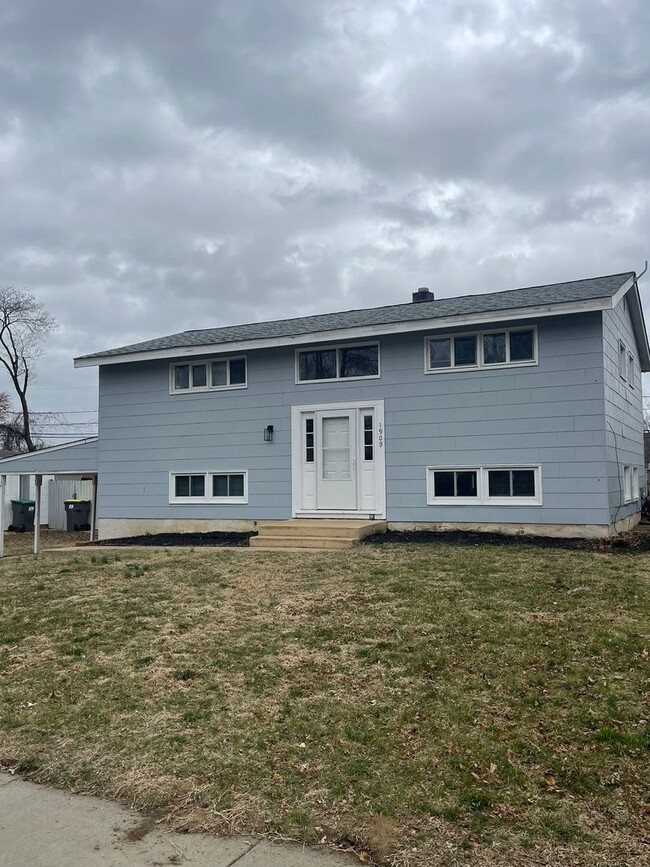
(24, 502)
(76, 501)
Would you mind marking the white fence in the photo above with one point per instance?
(62, 489)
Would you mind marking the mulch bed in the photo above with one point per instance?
(184, 540)
(626, 543)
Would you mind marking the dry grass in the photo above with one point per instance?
(23, 543)
(425, 705)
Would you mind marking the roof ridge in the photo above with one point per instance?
(405, 303)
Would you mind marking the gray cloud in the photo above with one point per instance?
(169, 165)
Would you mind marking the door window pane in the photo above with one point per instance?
(237, 371)
(219, 373)
(494, 348)
(359, 361)
(464, 351)
(523, 483)
(368, 438)
(440, 352)
(199, 375)
(317, 364)
(499, 483)
(336, 449)
(522, 346)
(182, 376)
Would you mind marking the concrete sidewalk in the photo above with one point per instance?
(41, 827)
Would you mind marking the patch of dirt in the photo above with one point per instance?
(184, 540)
(145, 826)
(637, 541)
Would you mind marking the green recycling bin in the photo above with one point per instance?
(77, 514)
(22, 519)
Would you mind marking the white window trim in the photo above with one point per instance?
(622, 356)
(481, 365)
(482, 489)
(203, 388)
(208, 499)
(630, 369)
(337, 347)
(631, 489)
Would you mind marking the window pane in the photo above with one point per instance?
(238, 371)
(359, 361)
(367, 422)
(494, 348)
(219, 486)
(523, 483)
(309, 455)
(317, 364)
(522, 346)
(440, 352)
(443, 484)
(499, 483)
(464, 350)
(466, 484)
(199, 375)
(309, 425)
(367, 437)
(198, 486)
(236, 485)
(219, 373)
(182, 376)
(367, 453)
(182, 486)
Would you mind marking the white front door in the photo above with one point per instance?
(336, 460)
(338, 464)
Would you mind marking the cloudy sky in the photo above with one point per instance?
(168, 165)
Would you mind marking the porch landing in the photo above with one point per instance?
(314, 533)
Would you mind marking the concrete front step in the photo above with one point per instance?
(314, 533)
(322, 542)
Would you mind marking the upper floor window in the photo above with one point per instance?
(337, 362)
(509, 346)
(630, 369)
(209, 375)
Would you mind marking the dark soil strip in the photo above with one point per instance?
(626, 543)
(184, 540)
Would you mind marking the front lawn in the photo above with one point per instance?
(424, 705)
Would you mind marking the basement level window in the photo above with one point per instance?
(210, 487)
(484, 486)
(337, 362)
(211, 375)
(510, 347)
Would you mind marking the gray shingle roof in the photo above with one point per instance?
(532, 296)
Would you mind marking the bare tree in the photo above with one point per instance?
(24, 324)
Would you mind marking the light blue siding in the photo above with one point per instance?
(623, 411)
(550, 414)
(78, 457)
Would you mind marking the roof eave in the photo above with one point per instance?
(360, 332)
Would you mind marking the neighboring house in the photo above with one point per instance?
(518, 411)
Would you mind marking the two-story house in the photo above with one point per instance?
(519, 411)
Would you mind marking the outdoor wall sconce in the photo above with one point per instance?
(268, 433)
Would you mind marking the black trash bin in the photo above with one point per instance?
(77, 514)
(22, 519)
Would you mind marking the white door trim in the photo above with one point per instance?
(380, 457)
